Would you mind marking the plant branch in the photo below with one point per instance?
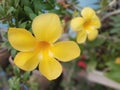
(111, 4)
(110, 14)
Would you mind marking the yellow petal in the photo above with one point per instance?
(87, 13)
(92, 34)
(50, 68)
(47, 27)
(66, 51)
(95, 22)
(26, 61)
(117, 61)
(77, 23)
(21, 39)
(81, 37)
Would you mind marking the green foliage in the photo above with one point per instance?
(115, 25)
(112, 44)
(114, 71)
(104, 3)
(18, 79)
(14, 83)
(24, 11)
(97, 42)
(16, 71)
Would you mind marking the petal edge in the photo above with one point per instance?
(66, 50)
(21, 39)
(47, 27)
(50, 68)
(26, 61)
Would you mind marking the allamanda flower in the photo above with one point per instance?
(40, 48)
(86, 25)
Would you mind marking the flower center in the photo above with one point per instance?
(87, 24)
(44, 45)
(44, 49)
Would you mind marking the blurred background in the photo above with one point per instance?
(98, 67)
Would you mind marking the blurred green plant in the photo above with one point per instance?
(115, 25)
(20, 13)
(100, 53)
(113, 72)
(18, 79)
(114, 48)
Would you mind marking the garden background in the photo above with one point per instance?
(98, 66)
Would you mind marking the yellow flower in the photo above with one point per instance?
(86, 25)
(117, 61)
(41, 48)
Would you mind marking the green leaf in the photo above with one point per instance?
(116, 18)
(1, 11)
(99, 41)
(26, 76)
(16, 2)
(13, 52)
(113, 66)
(22, 25)
(11, 9)
(104, 3)
(115, 24)
(115, 30)
(55, 11)
(52, 1)
(114, 75)
(25, 3)
(37, 5)
(32, 16)
(11, 2)
(6, 45)
(28, 10)
(14, 83)
(16, 71)
(92, 65)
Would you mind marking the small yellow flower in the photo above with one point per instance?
(117, 61)
(40, 48)
(86, 25)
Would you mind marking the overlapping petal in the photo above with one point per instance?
(87, 13)
(81, 37)
(95, 22)
(21, 39)
(92, 34)
(66, 51)
(77, 23)
(27, 61)
(50, 68)
(47, 27)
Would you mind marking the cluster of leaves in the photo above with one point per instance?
(17, 81)
(114, 71)
(115, 25)
(20, 13)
